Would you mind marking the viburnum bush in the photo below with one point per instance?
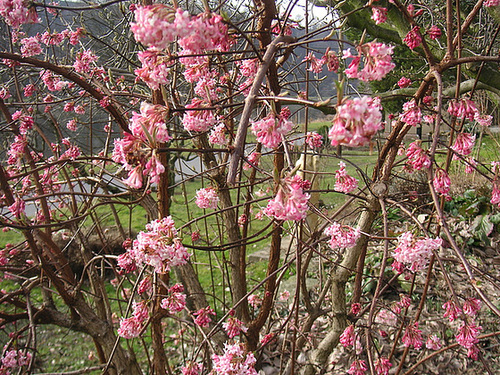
(150, 148)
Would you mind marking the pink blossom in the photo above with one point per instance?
(129, 328)
(441, 182)
(176, 300)
(379, 15)
(412, 336)
(134, 179)
(14, 358)
(404, 82)
(284, 296)
(234, 361)
(491, 3)
(464, 143)
(159, 246)
(356, 121)
(17, 12)
(203, 316)
(314, 140)
(29, 90)
(417, 157)
(242, 220)
(267, 338)
(158, 25)
(463, 108)
(341, 236)
(30, 47)
(495, 194)
(433, 343)
(413, 253)
(195, 236)
(467, 334)
(218, 135)
(472, 306)
(332, 61)
(473, 352)
(71, 125)
(254, 300)
(413, 39)
(83, 61)
(80, 109)
(141, 312)
(199, 120)
(191, 368)
(434, 32)
(248, 69)
(52, 82)
(483, 120)
(270, 130)
(75, 36)
(315, 64)
(290, 202)
(347, 337)
(343, 182)
(427, 100)
(452, 311)
(155, 68)
(358, 367)
(412, 114)
(377, 62)
(207, 198)
(52, 39)
(145, 286)
(355, 308)
(470, 165)
(26, 122)
(382, 366)
(17, 208)
(233, 327)
(253, 160)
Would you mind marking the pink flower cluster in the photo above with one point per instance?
(248, 69)
(417, 157)
(356, 121)
(358, 367)
(314, 140)
(158, 247)
(176, 299)
(413, 253)
(382, 366)
(347, 337)
(203, 316)
(341, 236)
(13, 359)
(132, 327)
(433, 342)
(218, 135)
(207, 198)
(491, 3)
(271, 129)
(377, 61)
(379, 15)
(315, 64)
(17, 12)
(234, 361)
(253, 159)
(290, 202)
(343, 182)
(159, 25)
(404, 82)
(136, 151)
(413, 39)
(412, 336)
(198, 119)
(463, 108)
(155, 68)
(412, 114)
(464, 143)
(434, 32)
(233, 327)
(84, 60)
(442, 182)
